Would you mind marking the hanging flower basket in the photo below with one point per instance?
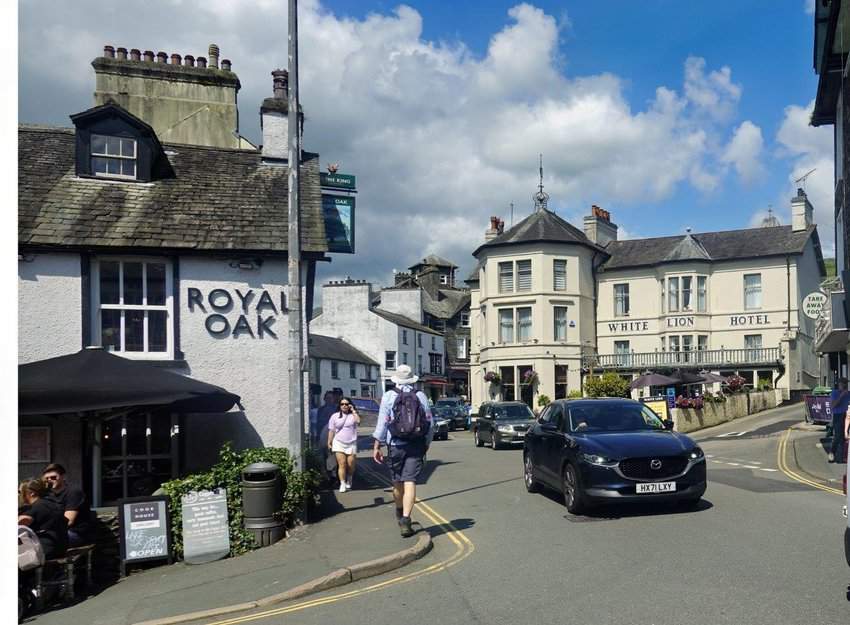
(529, 377)
(492, 377)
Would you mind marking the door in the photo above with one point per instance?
(551, 446)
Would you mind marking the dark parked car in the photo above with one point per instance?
(502, 423)
(442, 426)
(458, 410)
(611, 451)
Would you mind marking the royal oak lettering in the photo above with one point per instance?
(220, 300)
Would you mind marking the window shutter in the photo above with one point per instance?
(506, 277)
(560, 275)
(523, 275)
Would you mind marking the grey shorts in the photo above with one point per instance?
(406, 461)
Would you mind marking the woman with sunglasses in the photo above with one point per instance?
(342, 441)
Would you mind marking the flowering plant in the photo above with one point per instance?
(735, 383)
(689, 402)
(492, 377)
(529, 377)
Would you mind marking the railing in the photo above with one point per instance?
(831, 317)
(713, 358)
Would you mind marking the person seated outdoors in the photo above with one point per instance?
(73, 503)
(44, 516)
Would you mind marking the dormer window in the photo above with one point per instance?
(113, 156)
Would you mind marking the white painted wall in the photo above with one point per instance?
(345, 381)
(275, 133)
(406, 302)
(49, 306)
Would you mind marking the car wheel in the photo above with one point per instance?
(528, 475)
(493, 444)
(573, 496)
(477, 440)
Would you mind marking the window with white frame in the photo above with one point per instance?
(506, 277)
(702, 342)
(506, 325)
(523, 275)
(132, 306)
(464, 318)
(559, 274)
(687, 292)
(113, 156)
(444, 279)
(752, 341)
(560, 315)
(752, 291)
(701, 294)
(523, 324)
(672, 294)
(621, 300)
(460, 347)
(674, 343)
(389, 360)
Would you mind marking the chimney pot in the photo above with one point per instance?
(213, 54)
(175, 59)
(201, 62)
(280, 82)
(122, 54)
(161, 57)
(225, 64)
(189, 60)
(148, 55)
(109, 52)
(135, 54)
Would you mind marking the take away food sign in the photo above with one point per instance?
(813, 303)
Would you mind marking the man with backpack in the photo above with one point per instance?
(404, 424)
(839, 401)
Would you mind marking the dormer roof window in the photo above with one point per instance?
(115, 144)
(113, 156)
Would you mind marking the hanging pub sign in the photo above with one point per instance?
(339, 223)
(144, 530)
(337, 181)
(813, 303)
(206, 531)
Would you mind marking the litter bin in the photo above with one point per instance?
(262, 491)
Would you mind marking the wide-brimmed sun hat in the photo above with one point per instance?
(404, 375)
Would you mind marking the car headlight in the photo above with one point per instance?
(441, 422)
(505, 428)
(599, 461)
(696, 454)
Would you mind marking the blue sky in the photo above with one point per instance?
(668, 114)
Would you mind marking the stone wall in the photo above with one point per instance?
(735, 407)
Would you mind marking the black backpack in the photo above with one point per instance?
(409, 420)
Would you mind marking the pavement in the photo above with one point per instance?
(808, 447)
(351, 536)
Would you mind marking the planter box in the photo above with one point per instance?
(736, 406)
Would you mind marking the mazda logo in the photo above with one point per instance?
(655, 464)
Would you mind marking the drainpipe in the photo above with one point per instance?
(788, 291)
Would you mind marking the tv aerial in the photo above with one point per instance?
(802, 179)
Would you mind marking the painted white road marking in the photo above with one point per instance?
(729, 434)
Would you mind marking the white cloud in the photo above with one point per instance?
(439, 138)
(744, 152)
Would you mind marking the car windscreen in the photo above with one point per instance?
(444, 410)
(366, 404)
(614, 417)
(447, 402)
(514, 411)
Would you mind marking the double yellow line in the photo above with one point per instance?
(463, 549)
(781, 453)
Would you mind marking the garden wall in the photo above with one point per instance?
(736, 406)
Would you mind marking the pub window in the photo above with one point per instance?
(702, 342)
(752, 341)
(621, 300)
(352, 370)
(560, 323)
(506, 277)
(523, 323)
(506, 325)
(508, 383)
(526, 390)
(334, 369)
(621, 348)
(132, 307)
(672, 294)
(687, 281)
(752, 291)
(436, 363)
(560, 381)
(701, 294)
(559, 275)
(389, 360)
(523, 275)
(687, 344)
(404, 337)
(114, 157)
(674, 343)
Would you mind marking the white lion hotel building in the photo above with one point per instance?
(549, 298)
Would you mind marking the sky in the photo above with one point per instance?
(668, 114)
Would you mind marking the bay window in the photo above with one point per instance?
(523, 322)
(506, 325)
(559, 275)
(701, 294)
(672, 294)
(506, 277)
(560, 323)
(523, 275)
(686, 292)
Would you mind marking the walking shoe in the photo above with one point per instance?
(406, 527)
(347, 484)
(831, 457)
(342, 487)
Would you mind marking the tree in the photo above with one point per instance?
(609, 385)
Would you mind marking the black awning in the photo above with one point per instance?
(94, 379)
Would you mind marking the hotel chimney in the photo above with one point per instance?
(598, 226)
(801, 211)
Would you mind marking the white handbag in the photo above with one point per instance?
(30, 551)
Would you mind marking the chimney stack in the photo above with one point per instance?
(598, 226)
(280, 84)
(274, 118)
(213, 54)
(497, 227)
(802, 211)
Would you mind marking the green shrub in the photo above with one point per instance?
(609, 385)
(574, 394)
(227, 473)
(543, 400)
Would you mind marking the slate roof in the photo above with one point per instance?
(404, 322)
(687, 249)
(219, 200)
(447, 304)
(474, 276)
(726, 245)
(541, 226)
(434, 260)
(332, 348)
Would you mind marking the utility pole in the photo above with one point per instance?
(296, 329)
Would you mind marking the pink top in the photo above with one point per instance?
(344, 427)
